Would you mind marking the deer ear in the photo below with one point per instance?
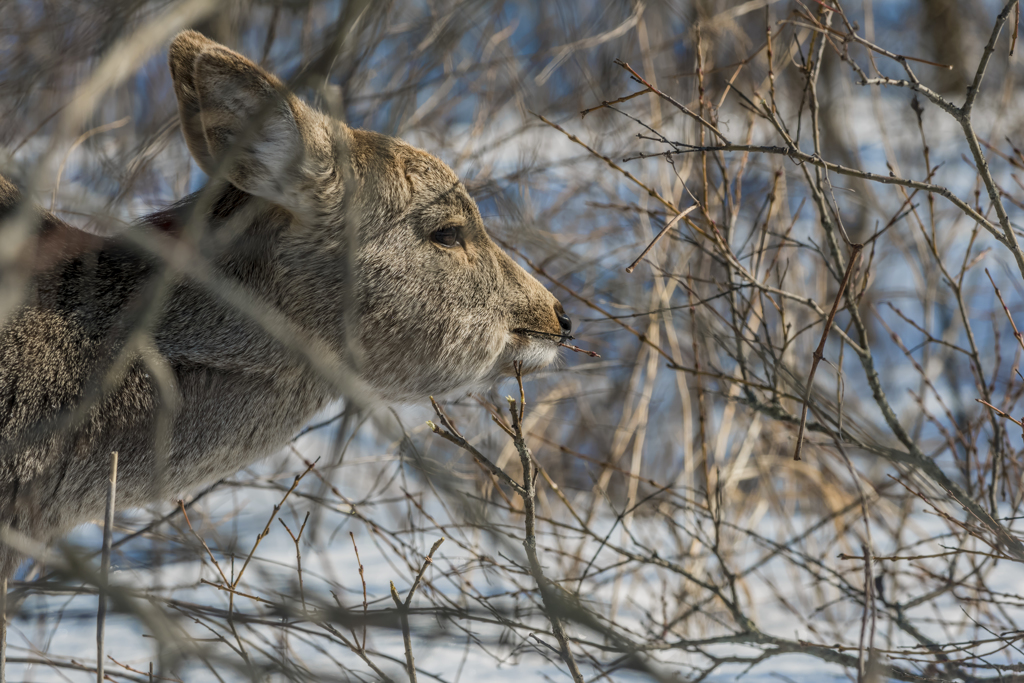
(184, 50)
(235, 114)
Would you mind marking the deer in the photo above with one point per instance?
(321, 262)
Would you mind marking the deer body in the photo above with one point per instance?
(331, 262)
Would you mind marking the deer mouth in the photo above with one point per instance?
(537, 334)
(535, 355)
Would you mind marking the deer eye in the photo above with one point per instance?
(448, 236)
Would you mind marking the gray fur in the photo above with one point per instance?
(202, 389)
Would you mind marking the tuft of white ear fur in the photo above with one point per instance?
(241, 121)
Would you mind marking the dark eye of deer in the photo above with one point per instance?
(448, 236)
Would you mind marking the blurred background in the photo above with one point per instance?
(671, 510)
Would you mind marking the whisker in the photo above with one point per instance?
(561, 340)
(547, 335)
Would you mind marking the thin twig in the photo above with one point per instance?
(362, 579)
(572, 347)
(3, 630)
(410, 662)
(650, 191)
(108, 533)
(798, 155)
(1016, 28)
(862, 659)
(213, 559)
(1006, 309)
(298, 555)
(403, 609)
(1015, 421)
(266, 529)
(819, 352)
(451, 434)
(528, 493)
(668, 226)
(620, 100)
(640, 79)
(232, 591)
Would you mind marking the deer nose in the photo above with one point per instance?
(563, 319)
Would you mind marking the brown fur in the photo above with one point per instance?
(351, 244)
